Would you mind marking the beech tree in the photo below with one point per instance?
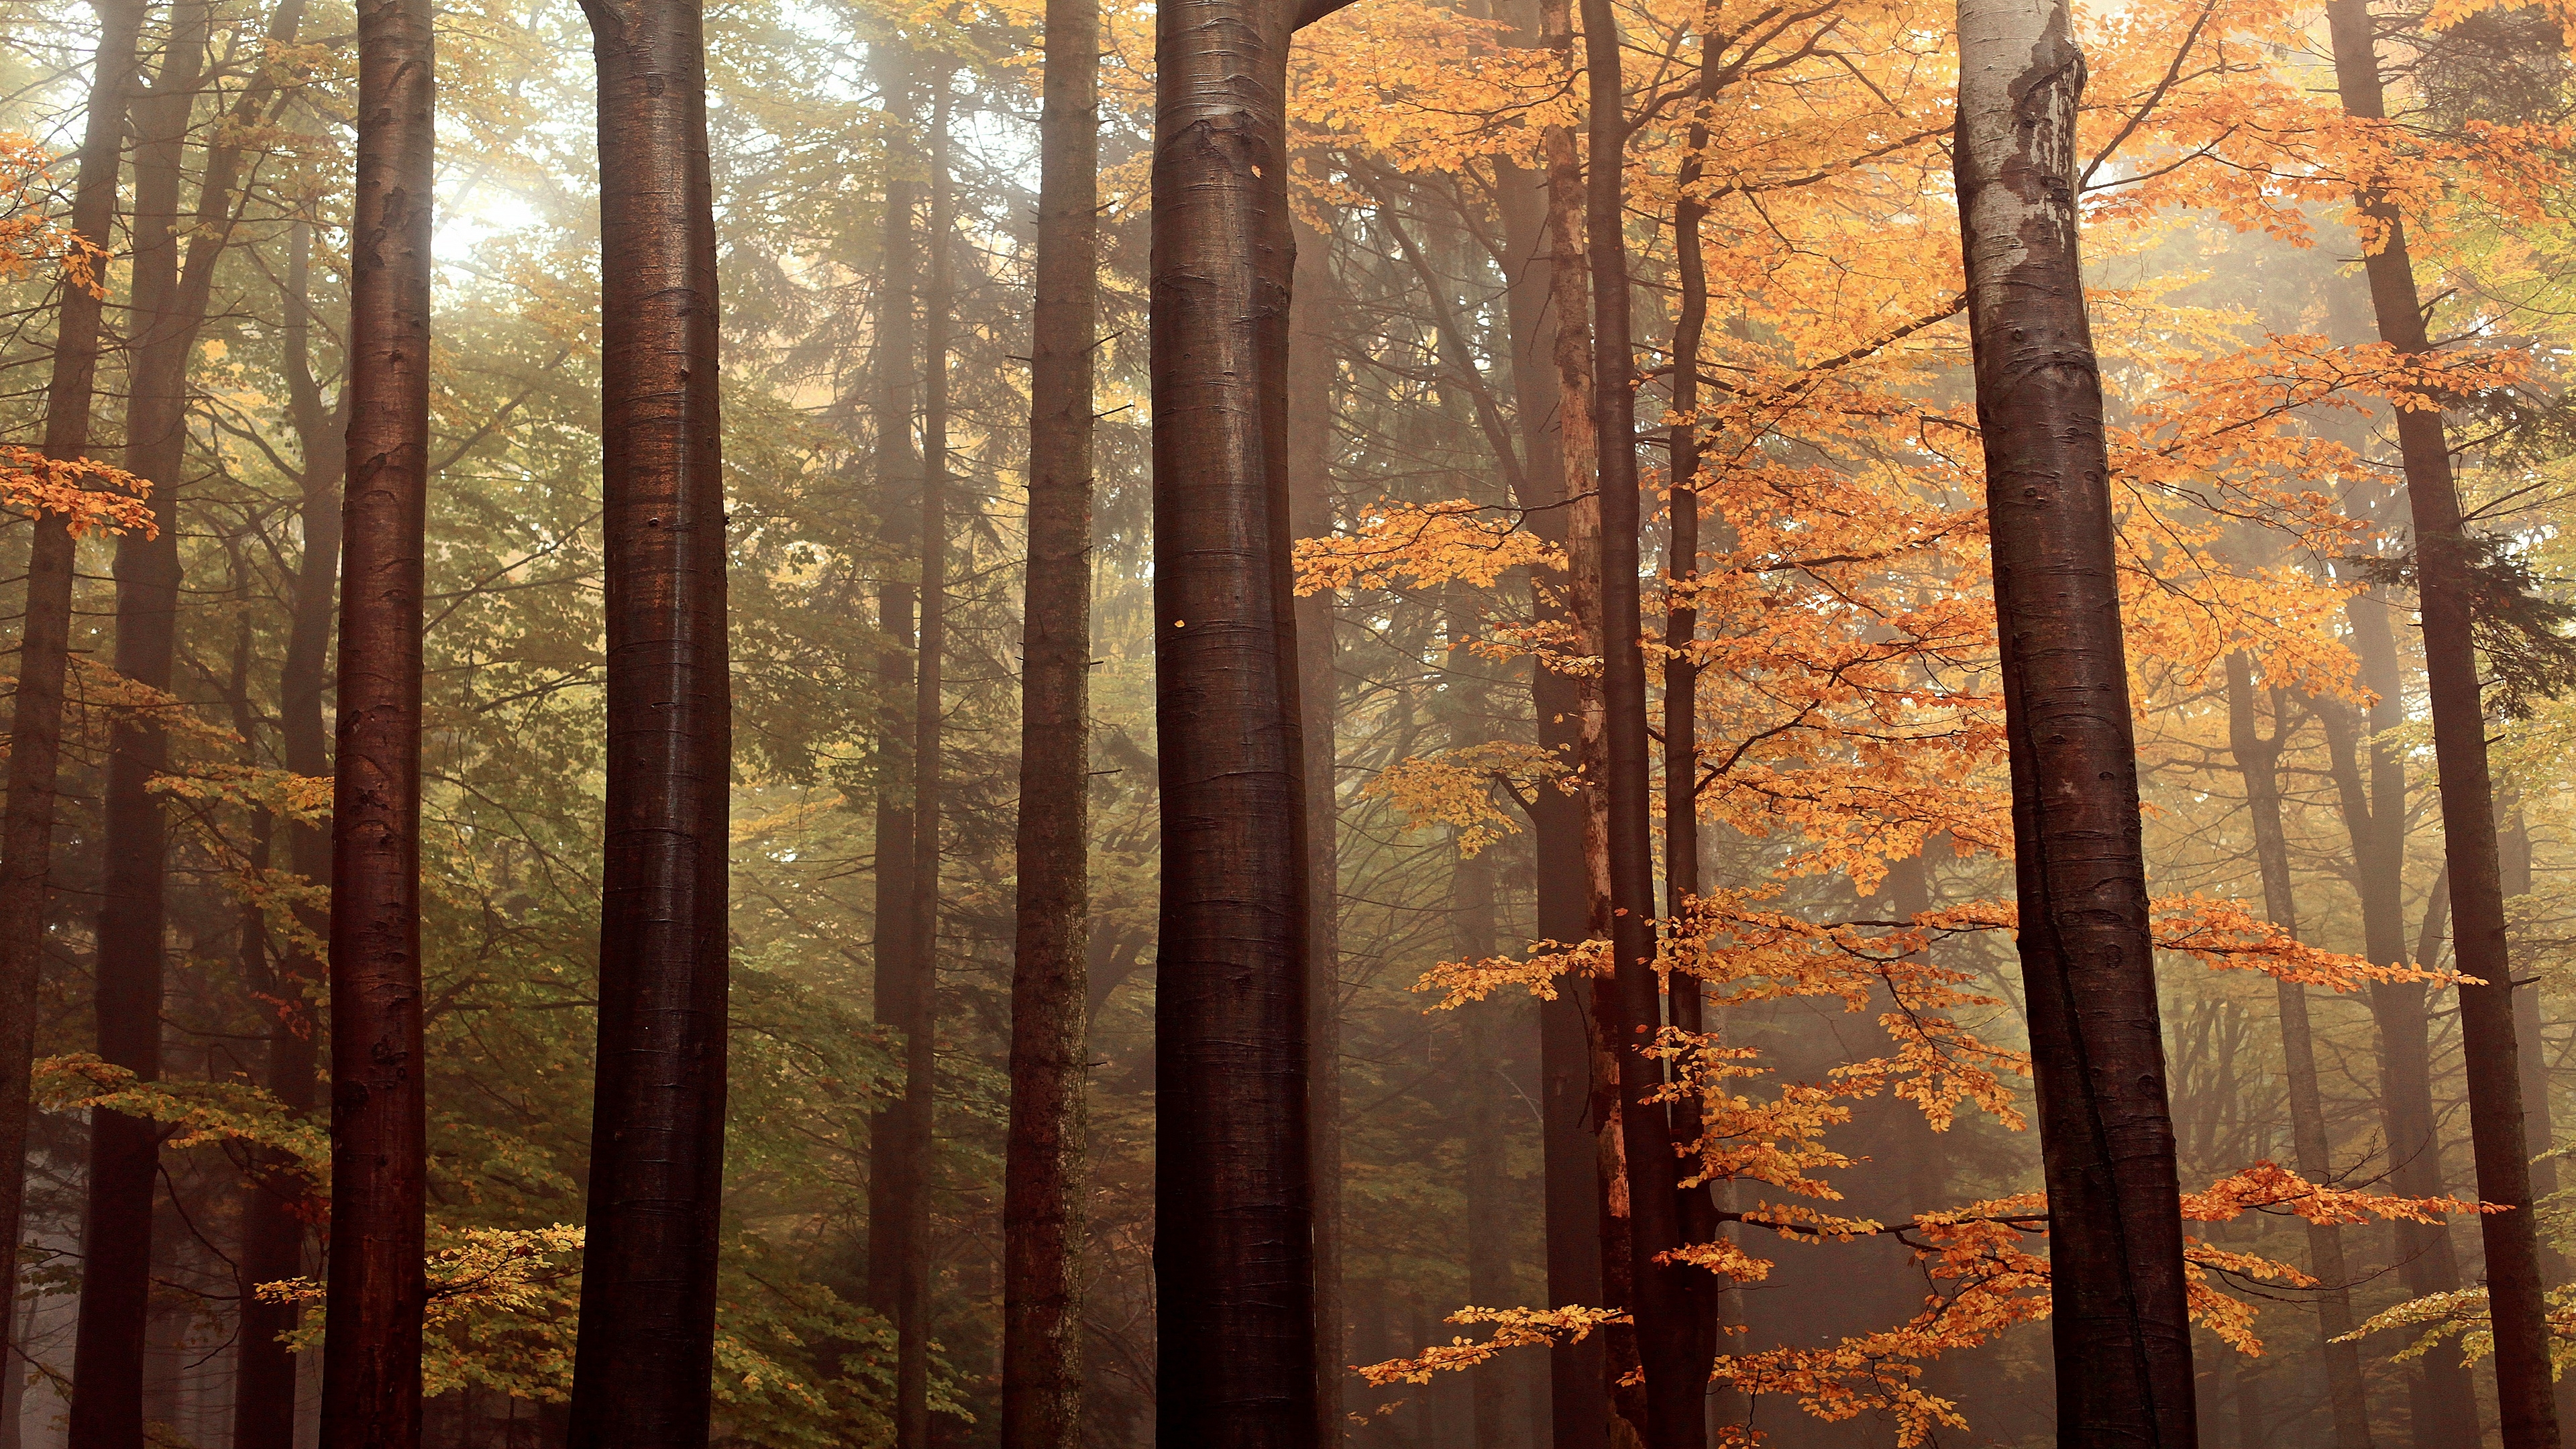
(2445, 562)
(648, 1303)
(44, 638)
(379, 1122)
(2118, 1315)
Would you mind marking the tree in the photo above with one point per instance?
(379, 1117)
(1233, 1191)
(44, 640)
(2445, 558)
(2258, 758)
(641, 1376)
(116, 1258)
(1042, 1194)
(2118, 1318)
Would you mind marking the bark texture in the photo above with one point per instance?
(1233, 1251)
(1042, 1170)
(379, 1103)
(2117, 1320)
(44, 643)
(641, 1370)
(2526, 1410)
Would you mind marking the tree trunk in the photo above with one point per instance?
(379, 1122)
(108, 1349)
(2258, 757)
(1043, 1161)
(921, 1031)
(641, 1371)
(2442, 1407)
(44, 649)
(1311, 365)
(2527, 1413)
(2118, 1320)
(1578, 1407)
(264, 1397)
(1233, 1190)
(1697, 1206)
(1664, 1300)
(895, 1171)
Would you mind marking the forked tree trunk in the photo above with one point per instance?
(124, 1166)
(2258, 758)
(1233, 1189)
(642, 1367)
(2526, 1410)
(1310, 506)
(44, 643)
(264, 1403)
(2118, 1317)
(1664, 1300)
(1042, 1160)
(379, 1105)
(2442, 1405)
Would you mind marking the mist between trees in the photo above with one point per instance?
(1429, 723)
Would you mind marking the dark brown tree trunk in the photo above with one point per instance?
(1578, 1409)
(1233, 1191)
(2258, 758)
(379, 1122)
(264, 1403)
(921, 1031)
(116, 1255)
(1311, 367)
(2527, 1413)
(2118, 1320)
(641, 1374)
(2442, 1406)
(1664, 1297)
(895, 1171)
(1043, 1163)
(44, 643)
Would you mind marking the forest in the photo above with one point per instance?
(1251, 724)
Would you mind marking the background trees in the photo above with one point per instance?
(1863, 1015)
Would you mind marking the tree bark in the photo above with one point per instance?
(379, 1103)
(1233, 1188)
(2258, 758)
(1311, 366)
(2118, 1319)
(1043, 1161)
(44, 643)
(1489, 1275)
(646, 1351)
(1663, 1298)
(2525, 1408)
(116, 1254)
